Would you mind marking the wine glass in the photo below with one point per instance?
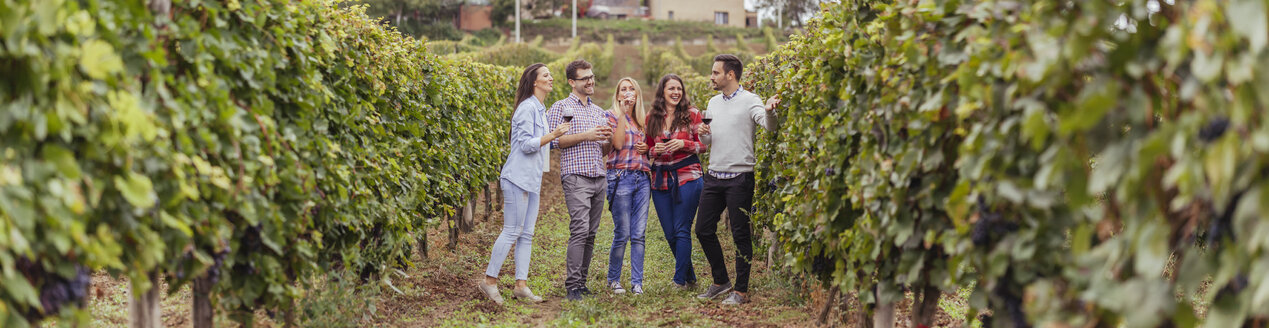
(707, 117)
(665, 139)
(629, 95)
(568, 115)
(604, 141)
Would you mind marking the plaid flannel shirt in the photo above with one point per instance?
(691, 146)
(585, 158)
(626, 157)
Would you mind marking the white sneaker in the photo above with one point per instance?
(525, 294)
(490, 291)
(637, 289)
(616, 288)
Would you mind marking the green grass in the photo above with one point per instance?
(957, 307)
(440, 291)
(773, 301)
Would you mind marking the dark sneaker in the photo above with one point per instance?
(586, 291)
(682, 287)
(574, 295)
(714, 291)
(735, 299)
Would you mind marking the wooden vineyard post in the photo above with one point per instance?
(203, 312)
(469, 222)
(453, 229)
(883, 315)
(488, 203)
(828, 304)
(144, 308)
(423, 244)
(498, 195)
(865, 321)
(772, 249)
(288, 318)
(923, 312)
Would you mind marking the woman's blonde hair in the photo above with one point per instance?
(640, 114)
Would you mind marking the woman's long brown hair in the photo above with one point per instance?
(525, 89)
(682, 118)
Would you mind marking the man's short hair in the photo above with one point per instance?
(731, 63)
(571, 70)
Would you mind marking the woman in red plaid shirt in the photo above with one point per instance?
(676, 171)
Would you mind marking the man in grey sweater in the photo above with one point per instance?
(729, 182)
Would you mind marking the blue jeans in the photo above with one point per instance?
(676, 221)
(628, 196)
(519, 215)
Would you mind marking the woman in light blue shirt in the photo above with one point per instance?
(521, 182)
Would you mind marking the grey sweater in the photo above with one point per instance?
(732, 131)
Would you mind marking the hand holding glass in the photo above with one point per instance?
(706, 117)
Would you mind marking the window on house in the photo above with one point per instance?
(720, 17)
(671, 15)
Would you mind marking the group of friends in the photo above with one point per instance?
(620, 160)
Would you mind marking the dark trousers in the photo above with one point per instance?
(736, 196)
(676, 222)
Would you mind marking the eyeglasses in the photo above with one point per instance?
(585, 79)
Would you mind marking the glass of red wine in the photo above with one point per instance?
(568, 115)
(707, 117)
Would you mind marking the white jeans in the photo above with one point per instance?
(519, 215)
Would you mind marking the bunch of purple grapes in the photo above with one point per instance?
(990, 226)
(213, 272)
(251, 242)
(56, 292)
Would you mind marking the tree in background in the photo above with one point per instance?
(504, 12)
(424, 11)
(433, 19)
(795, 12)
(548, 8)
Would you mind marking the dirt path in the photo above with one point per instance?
(441, 292)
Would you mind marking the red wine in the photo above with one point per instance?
(665, 140)
(568, 118)
(706, 120)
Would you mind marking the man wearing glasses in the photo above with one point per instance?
(581, 171)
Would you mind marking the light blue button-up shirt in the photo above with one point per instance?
(528, 158)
